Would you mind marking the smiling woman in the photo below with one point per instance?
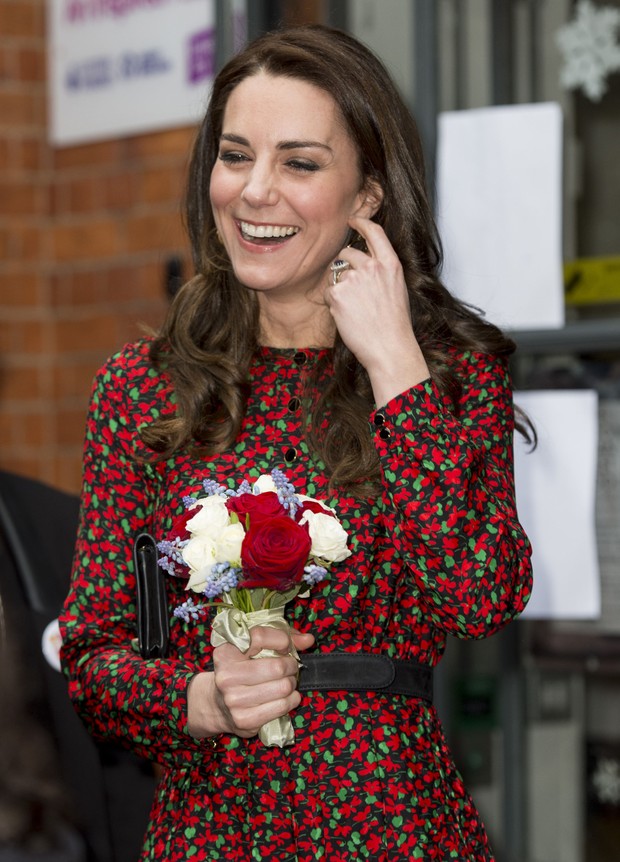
(283, 190)
(315, 336)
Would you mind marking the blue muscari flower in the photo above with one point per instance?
(313, 574)
(188, 501)
(212, 487)
(189, 610)
(244, 488)
(171, 554)
(222, 578)
(167, 565)
(286, 491)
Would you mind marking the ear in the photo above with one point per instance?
(371, 198)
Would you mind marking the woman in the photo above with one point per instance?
(372, 388)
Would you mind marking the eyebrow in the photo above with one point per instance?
(283, 145)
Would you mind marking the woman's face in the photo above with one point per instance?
(284, 185)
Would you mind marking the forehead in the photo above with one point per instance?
(284, 108)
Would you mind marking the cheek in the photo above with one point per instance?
(221, 189)
(324, 206)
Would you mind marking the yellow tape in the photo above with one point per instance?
(589, 280)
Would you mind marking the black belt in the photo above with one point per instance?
(365, 672)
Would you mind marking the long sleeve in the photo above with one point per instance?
(449, 485)
(141, 704)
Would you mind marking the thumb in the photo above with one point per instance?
(302, 640)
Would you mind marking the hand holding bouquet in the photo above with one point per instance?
(253, 549)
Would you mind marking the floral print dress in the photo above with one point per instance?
(439, 551)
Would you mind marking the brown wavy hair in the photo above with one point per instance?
(212, 330)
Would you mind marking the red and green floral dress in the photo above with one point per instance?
(439, 551)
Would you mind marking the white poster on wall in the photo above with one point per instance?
(556, 495)
(120, 67)
(499, 211)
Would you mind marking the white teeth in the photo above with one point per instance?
(260, 231)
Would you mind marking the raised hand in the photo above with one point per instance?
(370, 308)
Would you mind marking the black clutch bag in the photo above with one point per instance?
(153, 620)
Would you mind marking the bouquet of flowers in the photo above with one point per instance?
(253, 549)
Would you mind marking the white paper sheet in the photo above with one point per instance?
(499, 192)
(556, 491)
(608, 515)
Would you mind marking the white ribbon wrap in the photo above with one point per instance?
(233, 626)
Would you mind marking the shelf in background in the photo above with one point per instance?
(581, 336)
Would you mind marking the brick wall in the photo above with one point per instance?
(84, 236)
(85, 232)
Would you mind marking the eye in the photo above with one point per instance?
(233, 157)
(302, 165)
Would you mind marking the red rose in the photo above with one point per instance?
(179, 527)
(312, 506)
(274, 553)
(258, 506)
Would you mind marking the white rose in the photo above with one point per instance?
(198, 580)
(263, 483)
(199, 553)
(211, 517)
(228, 548)
(329, 539)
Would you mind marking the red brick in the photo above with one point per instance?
(19, 289)
(5, 154)
(31, 64)
(24, 337)
(161, 185)
(173, 142)
(7, 423)
(20, 198)
(21, 383)
(89, 155)
(69, 427)
(118, 191)
(58, 198)
(143, 323)
(73, 379)
(19, 108)
(85, 195)
(26, 241)
(80, 240)
(154, 231)
(67, 471)
(121, 284)
(20, 18)
(33, 429)
(27, 424)
(88, 288)
(7, 62)
(140, 283)
(71, 288)
(87, 333)
(29, 154)
(31, 465)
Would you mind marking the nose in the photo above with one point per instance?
(260, 187)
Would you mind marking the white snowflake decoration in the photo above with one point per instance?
(606, 781)
(590, 48)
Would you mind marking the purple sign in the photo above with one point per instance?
(201, 56)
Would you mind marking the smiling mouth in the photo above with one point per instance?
(271, 232)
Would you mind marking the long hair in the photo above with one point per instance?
(212, 331)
